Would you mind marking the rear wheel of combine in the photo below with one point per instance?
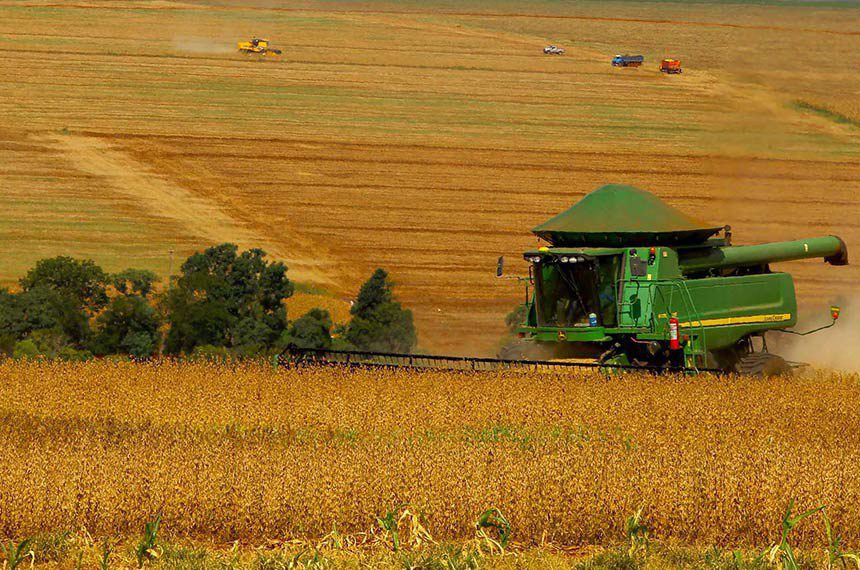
(762, 364)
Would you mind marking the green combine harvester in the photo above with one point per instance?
(627, 281)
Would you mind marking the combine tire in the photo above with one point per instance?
(762, 364)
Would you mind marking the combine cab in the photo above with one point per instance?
(258, 46)
(670, 66)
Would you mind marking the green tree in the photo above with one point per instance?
(250, 336)
(59, 298)
(79, 280)
(223, 298)
(15, 321)
(71, 354)
(373, 293)
(134, 282)
(379, 323)
(49, 342)
(195, 323)
(312, 330)
(25, 349)
(139, 344)
(211, 353)
(41, 308)
(129, 325)
(62, 292)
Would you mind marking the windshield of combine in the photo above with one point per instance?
(567, 293)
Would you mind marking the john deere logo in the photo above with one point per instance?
(562, 335)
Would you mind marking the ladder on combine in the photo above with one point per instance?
(700, 351)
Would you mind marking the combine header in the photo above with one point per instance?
(628, 282)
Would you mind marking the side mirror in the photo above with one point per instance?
(500, 266)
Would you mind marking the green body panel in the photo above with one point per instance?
(715, 313)
(648, 285)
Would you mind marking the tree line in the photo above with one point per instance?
(223, 303)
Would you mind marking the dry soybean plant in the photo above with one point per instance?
(252, 452)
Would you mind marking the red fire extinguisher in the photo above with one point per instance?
(674, 341)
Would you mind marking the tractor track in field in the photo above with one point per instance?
(309, 62)
(162, 6)
(498, 192)
(328, 144)
(287, 46)
(475, 163)
(658, 21)
(123, 174)
(550, 193)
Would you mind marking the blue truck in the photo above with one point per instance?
(627, 60)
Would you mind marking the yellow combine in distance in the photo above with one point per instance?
(258, 45)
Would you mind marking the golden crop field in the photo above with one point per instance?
(423, 137)
(256, 453)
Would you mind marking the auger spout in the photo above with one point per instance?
(831, 248)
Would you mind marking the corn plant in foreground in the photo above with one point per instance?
(147, 549)
(493, 522)
(637, 534)
(15, 554)
(836, 557)
(782, 552)
(388, 524)
(406, 522)
(106, 552)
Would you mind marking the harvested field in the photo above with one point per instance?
(416, 136)
(255, 453)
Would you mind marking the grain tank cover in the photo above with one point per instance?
(619, 215)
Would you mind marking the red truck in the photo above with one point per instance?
(670, 66)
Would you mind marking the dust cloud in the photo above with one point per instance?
(836, 348)
(204, 45)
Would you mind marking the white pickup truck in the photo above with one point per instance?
(553, 50)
